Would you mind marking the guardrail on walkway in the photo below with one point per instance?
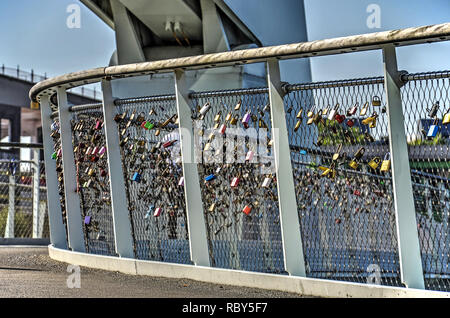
(318, 180)
(23, 197)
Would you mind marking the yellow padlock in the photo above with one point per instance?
(374, 163)
(299, 115)
(310, 121)
(446, 119)
(217, 118)
(353, 164)
(373, 123)
(297, 125)
(376, 101)
(386, 164)
(234, 120)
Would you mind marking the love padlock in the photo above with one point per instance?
(375, 162)
(446, 119)
(376, 101)
(339, 118)
(247, 209)
(234, 182)
(386, 164)
(433, 130)
(246, 119)
(157, 212)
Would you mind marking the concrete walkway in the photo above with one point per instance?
(29, 272)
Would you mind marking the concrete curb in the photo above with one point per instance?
(299, 285)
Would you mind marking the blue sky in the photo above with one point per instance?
(32, 32)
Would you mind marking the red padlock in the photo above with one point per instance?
(357, 192)
(247, 209)
(235, 182)
(339, 118)
(350, 123)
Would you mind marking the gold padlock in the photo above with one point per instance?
(374, 163)
(353, 164)
(310, 121)
(212, 207)
(297, 125)
(217, 118)
(229, 116)
(376, 101)
(299, 115)
(234, 120)
(446, 119)
(386, 164)
(238, 105)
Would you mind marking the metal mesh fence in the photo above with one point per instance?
(150, 150)
(426, 103)
(17, 204)
(338, 134)
(237, 180)
(339, 140)
(93, 181)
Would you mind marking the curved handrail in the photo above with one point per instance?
(363, 42)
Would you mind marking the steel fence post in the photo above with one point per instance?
(36, 193)
(9, 230)
(58, 236)
(290, 225)
(123, 238)
(194, 207)
(407, 234)
(73, 210)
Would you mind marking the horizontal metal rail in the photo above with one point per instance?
(425, 76)
(230, 92)
(20, 145)
(145, 99)
(78, 108)
(364, 42)
(330, 84)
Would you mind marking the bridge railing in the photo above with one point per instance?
(23, 193)
(340, 180)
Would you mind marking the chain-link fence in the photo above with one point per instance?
(151, 160)
(426, 105)
(93, 181)
(23, 196)
(339, 139)
(339, 142)
(239, 193)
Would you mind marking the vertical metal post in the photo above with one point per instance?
(73, 210)
(9, 231)
(122, 226)
(58, 237)
(290, 225)
(194, 208)
(36, 194)
(407, 234)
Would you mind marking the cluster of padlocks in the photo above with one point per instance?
(92, 180)
(340, 158)
(238, 183)
(149, 142)
(433, 130)
(57, 156)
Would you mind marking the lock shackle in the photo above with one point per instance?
(336, 107)
(387, 156)
(376, 159)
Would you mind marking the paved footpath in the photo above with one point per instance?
(30, 272)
